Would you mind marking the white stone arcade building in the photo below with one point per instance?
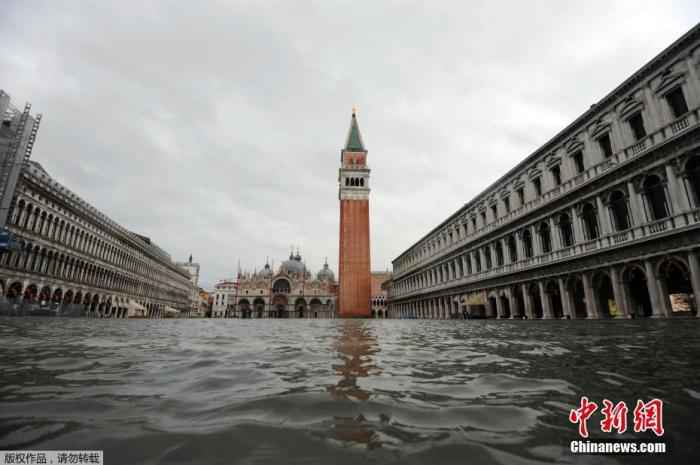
(602, 221)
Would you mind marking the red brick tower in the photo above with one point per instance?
(354, 263)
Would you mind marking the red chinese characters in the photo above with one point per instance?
(647, 416)
(614, 417)
(582, 414)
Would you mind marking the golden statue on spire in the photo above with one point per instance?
(354, 109)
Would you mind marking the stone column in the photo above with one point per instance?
(499, 306)
(527, 301)
(618, 291)
(511, 302)
(605, 227)
(663, 297)
(653, 289)
(577, 230)
(554, 235)
(675, 190)
(565, 299)
(636, 213)
(591, 304)
(546, 303)
(695, 279)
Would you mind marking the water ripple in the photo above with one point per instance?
(236, 391)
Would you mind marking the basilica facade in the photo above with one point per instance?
(291, 291)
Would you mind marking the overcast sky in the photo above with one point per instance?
(215, 128)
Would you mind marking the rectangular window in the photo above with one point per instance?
(506, 203)
(521, 196)
(473, 224)
(676, 100)
(483, 218)
(578, 162)
(537, 184)
(605, 145)
(636, 123)
(556, 175)
(494, 211)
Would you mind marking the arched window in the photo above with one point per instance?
(655, 198)
(545, 237)
(362, 182)
(487, 256)
(590, 221)
(477, 261)
(281, 286)
(692, 171)
(347, 181)
(618, 211)
(499, 253)
(527, 243)
(565, 231)
(512, 249)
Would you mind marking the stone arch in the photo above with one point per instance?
(619, 213)
(259, 307)
(30, 293)
(315, 307)
(589, 218)
(27, 216)
(536, 300)
(634, 279)
(676, 287)
(492, 305)
(604, 294)
(498, 250)
(545, 236)
(17, 212)
(300, 307)
(279, 306)
(504, 300)
(512, 248)
(95, 304)
(555, 298)
(654, 196)
(527, 243)
(518, 307)
(281, 286)
(577, 295)
(15, 290)
(692, 178)
(244, 308)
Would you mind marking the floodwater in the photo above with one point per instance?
(340, 391)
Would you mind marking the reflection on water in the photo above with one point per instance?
(355, 347)
(333, 391)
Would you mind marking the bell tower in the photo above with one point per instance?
(354, 261)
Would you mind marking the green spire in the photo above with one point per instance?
(354, 142)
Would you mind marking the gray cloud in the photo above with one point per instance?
(216, 128)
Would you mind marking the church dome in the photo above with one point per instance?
(267, 271)
(325, 274)
(293, 265)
